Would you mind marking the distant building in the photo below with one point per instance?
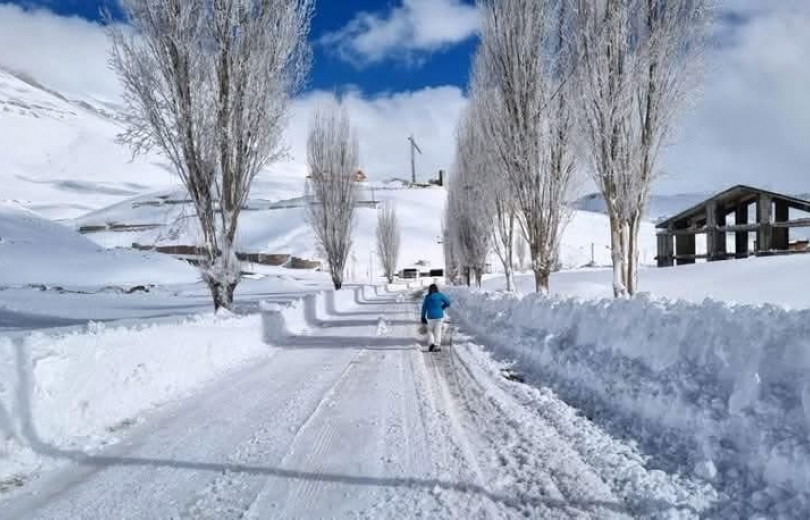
(677, 244)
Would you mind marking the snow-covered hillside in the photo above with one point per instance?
(59, 157)
(658, 207)
(34, 250)
(275, 223)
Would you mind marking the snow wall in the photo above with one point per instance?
(81, 387)
(716, 389)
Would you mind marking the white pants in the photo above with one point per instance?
(434, 328)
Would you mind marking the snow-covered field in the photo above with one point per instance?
(753, 281)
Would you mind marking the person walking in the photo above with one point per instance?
(433, 316)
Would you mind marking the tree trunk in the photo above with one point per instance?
(633, 255)
(469, 277)
(541, 280)
(617, 257)
(337, 281)
(222, 294)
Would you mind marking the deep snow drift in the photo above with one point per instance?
(79, 388)
(715, 390)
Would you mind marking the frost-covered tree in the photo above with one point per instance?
(504, 229)
(521, 88)
(452, 263)
(389, 239)
(333, 155)
(521, 250)
(469, 204)
(208, 84)
(639, 69)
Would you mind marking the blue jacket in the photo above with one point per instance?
(434, 305)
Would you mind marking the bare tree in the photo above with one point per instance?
(521, 250)
(520, 85)
(504, 229)
(639, 68)
(388, 239)
(333, 156)
(452, 263)
(208, 84)
(469, 203)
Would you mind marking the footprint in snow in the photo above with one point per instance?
(382, 327)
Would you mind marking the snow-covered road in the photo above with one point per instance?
(354, 421)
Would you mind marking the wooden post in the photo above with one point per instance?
(715, 240)
(741, 238)
(665, 250)
(685, 245)
(781, 236)
(765, 221)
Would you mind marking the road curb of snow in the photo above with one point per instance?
(717, 390)
(79, 389)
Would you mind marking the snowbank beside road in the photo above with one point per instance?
(722, 391)
(76, 390)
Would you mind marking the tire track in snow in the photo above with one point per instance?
(459, 461)
(232, 494)
(527, 457)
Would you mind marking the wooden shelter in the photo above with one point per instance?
(771, 227)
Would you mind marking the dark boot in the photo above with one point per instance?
(432, 348)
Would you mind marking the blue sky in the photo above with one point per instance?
(401, 71)
(400, 66)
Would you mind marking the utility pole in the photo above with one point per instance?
(414, 149)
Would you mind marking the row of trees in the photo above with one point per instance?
(561, 88)
(208, 83)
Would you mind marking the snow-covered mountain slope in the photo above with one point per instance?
(59, 157)
(34, 250)
(659, 206)
(277, 225)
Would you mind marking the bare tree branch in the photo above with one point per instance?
(520, 87)
(333, 157)
(641, 64)
(388, 240)
(208, 83)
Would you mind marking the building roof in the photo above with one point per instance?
(740, 194)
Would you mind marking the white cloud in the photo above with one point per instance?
(68, 54)
(384, 124)
(405, 32)
(752, 125)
